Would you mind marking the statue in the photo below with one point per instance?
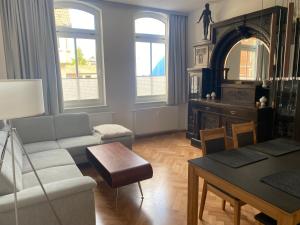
(206, 15)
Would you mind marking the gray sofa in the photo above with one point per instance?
(68, 131)
(68, 189)
(55, 144)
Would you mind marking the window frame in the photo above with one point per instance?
(251, 49)
(152, 38)
(97, 35)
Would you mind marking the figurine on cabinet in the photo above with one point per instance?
(206, 15)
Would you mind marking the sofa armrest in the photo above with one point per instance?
(55, 190)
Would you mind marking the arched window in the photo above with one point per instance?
(151, 41)
(79, 36)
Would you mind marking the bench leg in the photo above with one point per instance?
(140, 187)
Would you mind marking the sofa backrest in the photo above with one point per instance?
(35, 129)
(6, 172)
(72, 125)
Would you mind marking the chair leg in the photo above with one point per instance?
(203, 199)
(223, 205)
(237, 213)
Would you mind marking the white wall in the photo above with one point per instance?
(2, 57)
(222, 10)
(118, 39)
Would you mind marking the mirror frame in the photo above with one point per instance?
(228, 53)
(226, 33)
(230, 39)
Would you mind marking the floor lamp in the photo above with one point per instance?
(19, 99)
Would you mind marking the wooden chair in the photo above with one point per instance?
(212, 141)
(243, 134)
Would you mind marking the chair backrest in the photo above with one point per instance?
(213, 140)
(243, 134)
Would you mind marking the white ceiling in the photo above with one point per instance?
(173, 5)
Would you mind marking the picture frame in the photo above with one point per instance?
(201, 55)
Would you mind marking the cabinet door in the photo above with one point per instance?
(209, 121)
(227, 123)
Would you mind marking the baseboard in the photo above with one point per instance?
(137, 136)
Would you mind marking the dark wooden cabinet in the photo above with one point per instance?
(237, 96)
(208, 114)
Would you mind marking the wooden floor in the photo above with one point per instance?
(165, 194)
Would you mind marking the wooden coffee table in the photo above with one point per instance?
(118, 165)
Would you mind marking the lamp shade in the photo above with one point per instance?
(21, 98)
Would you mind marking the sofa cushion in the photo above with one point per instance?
(35, 129)
(72, 125)
(41, 146)
(109, 131)
(6, 176)
(51, 174)
(77, 145)
(46, 159)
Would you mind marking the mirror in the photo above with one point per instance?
(247, 60)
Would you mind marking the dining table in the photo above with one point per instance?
(248, 182)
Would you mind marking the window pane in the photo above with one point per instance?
(143, 60)
(151, 86)
(74, 18)
(143, 85)
(159, 85)
(86, 57)
(155, 83)
(150, 26)
(66, 48)
(158, 59)
(87, 68)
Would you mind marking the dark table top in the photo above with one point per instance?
(248, 177)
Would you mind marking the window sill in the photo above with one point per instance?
(90, 109)
(149, 104)
(151, 99)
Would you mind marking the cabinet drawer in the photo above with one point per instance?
(250, 115)
(209, 109)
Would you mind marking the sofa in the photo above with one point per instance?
(71, 131)
(56, 144)
(67, 188)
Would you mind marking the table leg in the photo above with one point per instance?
(117, 195)
(287, 220)
(193, 190)
(140, 187)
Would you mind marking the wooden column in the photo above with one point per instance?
(288, 40)
(273, 32)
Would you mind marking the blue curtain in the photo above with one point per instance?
(31, 52)
(177, 79)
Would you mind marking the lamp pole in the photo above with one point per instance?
(10, 131)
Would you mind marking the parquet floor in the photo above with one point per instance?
(165, 194)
